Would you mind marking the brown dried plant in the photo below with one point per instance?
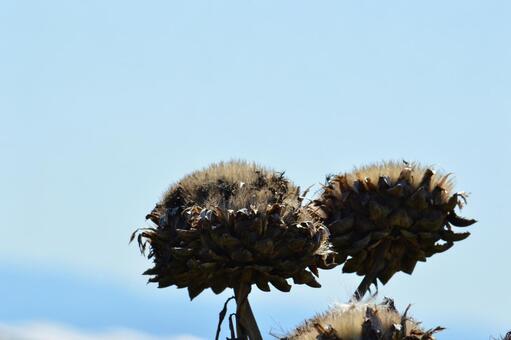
(385, 217)
(236, 224)
(362, 321)
(233, 225)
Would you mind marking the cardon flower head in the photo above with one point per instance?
(385, 217)
(233, 224)
(361, 321)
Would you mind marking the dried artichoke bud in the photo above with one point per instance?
(396, 214)
(362, 321)
(234, 221)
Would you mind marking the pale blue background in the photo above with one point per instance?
(103, 104)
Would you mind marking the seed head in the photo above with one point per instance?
(234, 223)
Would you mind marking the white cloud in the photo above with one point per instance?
(52, 331)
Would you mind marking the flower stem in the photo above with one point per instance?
(246, 324)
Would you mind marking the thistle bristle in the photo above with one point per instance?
(394, 170)
(235, 185)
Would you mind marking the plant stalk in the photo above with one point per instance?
(246, 325)
(371, 277)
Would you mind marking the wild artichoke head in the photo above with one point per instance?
(233, 224)
(385, 217)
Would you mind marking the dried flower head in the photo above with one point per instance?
(360, 321)
(385, 217)
(234, 224)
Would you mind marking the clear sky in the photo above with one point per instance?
(103, 104)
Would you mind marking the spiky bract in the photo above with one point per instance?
(386, 217)
(230, 224)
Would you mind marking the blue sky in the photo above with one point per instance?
(105, 104)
